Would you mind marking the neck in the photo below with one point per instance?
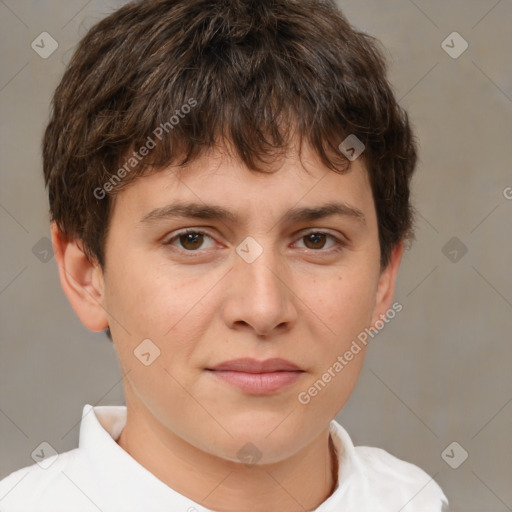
(301, 482)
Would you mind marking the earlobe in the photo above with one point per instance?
(81, 280)
(387, 280)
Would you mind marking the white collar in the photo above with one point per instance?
(368, 478)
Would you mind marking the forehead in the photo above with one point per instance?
(217, 186)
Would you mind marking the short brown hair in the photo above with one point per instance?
(258, 72)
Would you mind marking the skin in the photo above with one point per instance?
(299, 300)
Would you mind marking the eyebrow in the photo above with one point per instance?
(203, 211)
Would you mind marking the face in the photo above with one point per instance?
(256, 283)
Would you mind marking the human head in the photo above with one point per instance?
(261, 81)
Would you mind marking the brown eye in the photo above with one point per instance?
(316, 240)
(190, 241)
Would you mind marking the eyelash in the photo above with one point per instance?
(340, 244)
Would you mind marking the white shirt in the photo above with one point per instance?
(100, 476)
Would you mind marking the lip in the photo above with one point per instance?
(249, 365)
(258, 377)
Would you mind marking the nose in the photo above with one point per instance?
(260, 295)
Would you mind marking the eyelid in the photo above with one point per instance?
(323, 231)
(340, 241)
(184, 231)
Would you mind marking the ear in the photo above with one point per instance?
(386, 285)
(81, 280)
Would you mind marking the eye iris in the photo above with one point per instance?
(315, 238)
(195, 238)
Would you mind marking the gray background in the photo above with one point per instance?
(439, 372)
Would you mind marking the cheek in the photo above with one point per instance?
(159, 303)
(156, 304)
(341, 307)
(153, 298)
(345, 303)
